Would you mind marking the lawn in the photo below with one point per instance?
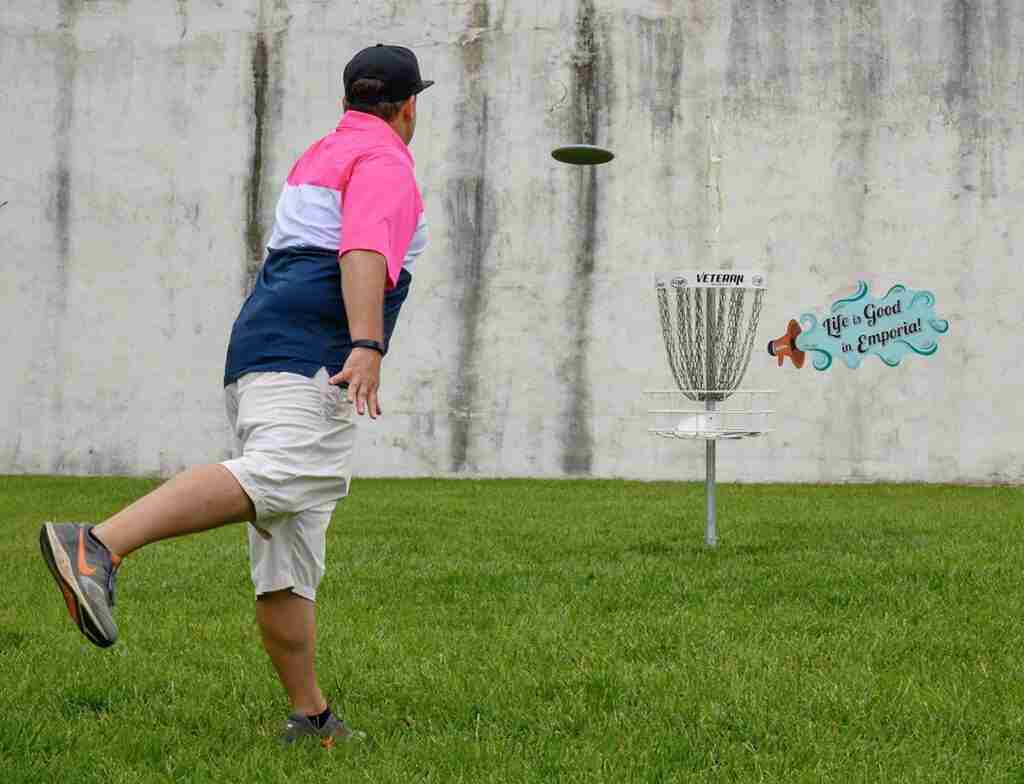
(530, 631)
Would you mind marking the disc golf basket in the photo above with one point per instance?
(709, 324)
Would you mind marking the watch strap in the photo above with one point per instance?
(370, 344)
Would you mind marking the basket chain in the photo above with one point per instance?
(708, 342)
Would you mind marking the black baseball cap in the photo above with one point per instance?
(395, 66)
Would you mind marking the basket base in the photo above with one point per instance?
(707, 435)
(681, 414)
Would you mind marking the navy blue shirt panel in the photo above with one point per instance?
(294, 321)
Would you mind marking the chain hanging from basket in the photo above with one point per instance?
(709, 331)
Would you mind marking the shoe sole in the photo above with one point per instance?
(78, 608)
(329, 741)
(326, 741)
(353, 737)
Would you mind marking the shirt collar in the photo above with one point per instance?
(352, 120)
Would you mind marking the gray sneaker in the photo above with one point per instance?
(85, 573)
(335, 730)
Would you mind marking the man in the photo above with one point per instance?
(349, 224)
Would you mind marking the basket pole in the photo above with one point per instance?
(710, 528)
(709, 332)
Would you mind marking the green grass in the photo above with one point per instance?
(527, 631)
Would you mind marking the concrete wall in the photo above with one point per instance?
(145, 142)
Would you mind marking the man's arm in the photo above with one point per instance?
(363, 278)
(381, 206)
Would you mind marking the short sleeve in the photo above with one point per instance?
(380, 209)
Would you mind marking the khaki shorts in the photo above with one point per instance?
(296, 437)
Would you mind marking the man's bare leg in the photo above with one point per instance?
(288, 625)
(195, 500)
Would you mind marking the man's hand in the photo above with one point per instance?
(362, 376)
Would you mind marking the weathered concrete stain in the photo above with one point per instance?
(744, 52)
(822, 61)
(267, 63)
(60, 215)
(588, 97)
(758, 71)
(1002, 36)
(864, 62)
(254, 185)
(781, 78)
(64, 115)
(663, 51)
(675, 98)
(183, 17)
(470, 209)
(965, 92)
(961, 87)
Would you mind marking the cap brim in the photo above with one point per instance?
(424, 84)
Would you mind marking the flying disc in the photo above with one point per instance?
(582, 154)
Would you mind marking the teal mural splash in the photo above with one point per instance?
(900, 323)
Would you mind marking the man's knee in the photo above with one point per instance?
(277, 618)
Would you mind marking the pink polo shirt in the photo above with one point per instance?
(354, 189)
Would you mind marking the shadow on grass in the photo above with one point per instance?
(84, 702)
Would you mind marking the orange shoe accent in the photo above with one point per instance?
(83, 567)
(70, 601)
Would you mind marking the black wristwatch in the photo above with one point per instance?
(372, 344)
